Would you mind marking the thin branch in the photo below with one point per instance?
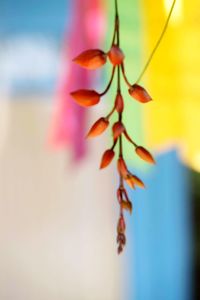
(114, 144)
(124, 75)
(129, 139)
(110, 82)
(110, 114)
(116, 9)
(158, 42)
(118, 80)
(114, 34)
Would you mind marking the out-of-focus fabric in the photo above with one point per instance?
(57, 224)
(30, 38)
(173, 78)
(69, 120)
(159, 250)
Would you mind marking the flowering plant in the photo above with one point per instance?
(93, 59)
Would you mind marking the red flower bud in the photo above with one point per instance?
(98, 127)
(139, 93)
(91, 59)
(118, 129)
(130, 181)
(137, 181)
(116, 55)
(144, 154)
(86, 97)
(127, 205)
(120, 249)
(122, 168)
(121, 239)
(121, 227)
(119, 103)
(107, 158)
(119, 195)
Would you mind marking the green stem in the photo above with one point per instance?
(158, 42)
(116, 9)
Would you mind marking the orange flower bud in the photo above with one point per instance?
(91, 59)
(119, 103)
(86, 97)
(121, 239)
(130, 181)
(107, 158)
(118, 129)
(120, 249)
(144, 154)
(121, 227)
(98, 127)
(137, 181)
(127, 205)
(122, 168)
(116, 55)
(119, 195)
(139, 93)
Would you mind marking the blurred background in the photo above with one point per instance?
(58, 213)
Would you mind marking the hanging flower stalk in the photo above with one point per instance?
(96, 58)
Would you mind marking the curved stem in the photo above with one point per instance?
(116, 23)
(158, 42)
(110, 82)
(114, 34)
(114, 144)
(126, 195)
(110, 114)
(124, 75)
(129, 139)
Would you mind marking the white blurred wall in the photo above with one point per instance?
(57, 221)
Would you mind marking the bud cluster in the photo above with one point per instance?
(93, 59)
